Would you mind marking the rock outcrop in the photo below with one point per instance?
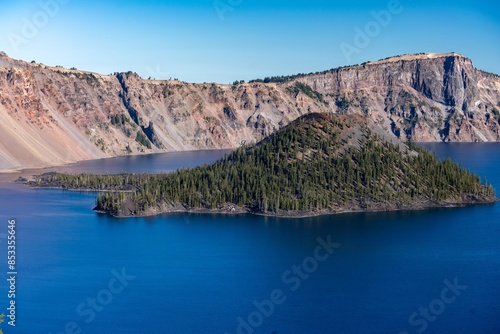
(52, 115)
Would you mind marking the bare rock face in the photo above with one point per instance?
(425, 97)
(52, 115)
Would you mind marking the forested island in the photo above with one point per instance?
(318, 164)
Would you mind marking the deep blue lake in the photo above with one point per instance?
(433, 271)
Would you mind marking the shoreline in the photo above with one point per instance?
(25, 169)
(302, 214)
(235, 210)
(21, 169)
(95, 166)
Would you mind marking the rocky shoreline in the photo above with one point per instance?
(230, 209)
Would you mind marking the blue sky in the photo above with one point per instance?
(227, 40)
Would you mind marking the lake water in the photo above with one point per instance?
(187, 273)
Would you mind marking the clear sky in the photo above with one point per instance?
(226, 40)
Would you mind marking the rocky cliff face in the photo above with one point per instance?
(425, 97)
(52, 115)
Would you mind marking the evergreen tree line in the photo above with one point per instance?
(304, 167)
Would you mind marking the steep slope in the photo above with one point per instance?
(318, 164)
(424, 97)
(52, 115)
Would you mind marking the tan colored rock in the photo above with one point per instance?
(52, 115)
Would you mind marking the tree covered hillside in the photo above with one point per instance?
(320, 163)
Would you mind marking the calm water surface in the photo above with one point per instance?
(204, 273)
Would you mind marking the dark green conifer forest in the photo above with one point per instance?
(318, 163)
